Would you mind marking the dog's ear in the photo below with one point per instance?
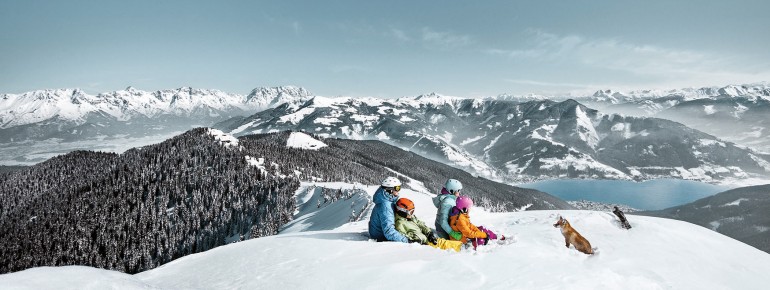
(558, 222)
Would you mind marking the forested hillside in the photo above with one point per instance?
(148, 206)
(138, 210)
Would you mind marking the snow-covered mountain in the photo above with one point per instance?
(65, 113)
(519, 141)
(76, 105)
(655, 254)
(650, 102)
(735, 113)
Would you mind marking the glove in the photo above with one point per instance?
(432, 238)
(456, 235)
(415, 241)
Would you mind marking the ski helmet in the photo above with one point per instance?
(464, 203)
(390, 182)
(453, 185)
(405, 205)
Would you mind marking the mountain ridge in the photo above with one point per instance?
(518, 141)
(75, 104)
(740, 213)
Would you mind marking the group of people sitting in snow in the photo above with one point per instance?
(393, 218)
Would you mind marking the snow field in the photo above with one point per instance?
(655, 254)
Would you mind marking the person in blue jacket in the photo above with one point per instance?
(444, 202)
(382, 222)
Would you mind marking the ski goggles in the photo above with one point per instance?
(408, 212)
(395, 188)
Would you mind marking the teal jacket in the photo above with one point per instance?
(444, 203)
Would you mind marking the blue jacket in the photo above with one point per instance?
(382, 222)
(444, 203)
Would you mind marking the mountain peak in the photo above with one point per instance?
(274, 91)
(265, 97)
(432, 95)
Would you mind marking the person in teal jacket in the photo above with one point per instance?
(444, 202)
(382, 221)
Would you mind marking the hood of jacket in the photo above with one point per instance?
(380, 196)
(437, 200)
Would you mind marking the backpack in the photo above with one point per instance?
(454, 211)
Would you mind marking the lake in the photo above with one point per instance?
(648, 195)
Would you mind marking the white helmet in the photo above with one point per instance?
(391, 182)
(453, 185)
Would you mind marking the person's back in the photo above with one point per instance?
(444, 202)
(381, 222)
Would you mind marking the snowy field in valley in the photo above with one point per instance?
(655, 254)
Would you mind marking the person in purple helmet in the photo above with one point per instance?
(460, 221)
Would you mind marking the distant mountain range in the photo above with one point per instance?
(504, 138)
(519, 141)
(735, 113)
(741, 213)
(71, 114)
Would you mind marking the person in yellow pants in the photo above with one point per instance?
(416, 231)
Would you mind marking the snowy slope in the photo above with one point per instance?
(304, 141)
(655, 254)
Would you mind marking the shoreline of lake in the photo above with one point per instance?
(645, 195)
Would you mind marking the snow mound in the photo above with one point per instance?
(304, 141)
(655, 254)
(71, 277)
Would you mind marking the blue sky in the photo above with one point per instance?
(383, 48)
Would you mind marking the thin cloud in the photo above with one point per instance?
(674, 66)
(297, 27)
(444, 40)
(551, 84)
(399, 34)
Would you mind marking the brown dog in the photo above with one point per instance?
(571, 236)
